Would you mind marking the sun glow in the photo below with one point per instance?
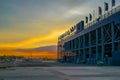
(25, 44)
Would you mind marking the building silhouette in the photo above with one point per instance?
(97, 40)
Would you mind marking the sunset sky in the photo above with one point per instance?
(37, 23)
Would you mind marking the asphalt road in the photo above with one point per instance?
(56, 71)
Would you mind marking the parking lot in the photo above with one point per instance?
(61, 72)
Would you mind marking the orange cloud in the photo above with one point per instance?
(25, 44)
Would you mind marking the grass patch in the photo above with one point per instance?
(7, 69)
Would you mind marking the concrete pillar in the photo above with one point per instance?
(96, 44)
(75, 50)
(71, 44)
(102, 37)
(72, 49)
(84, 56)
(90, 48)
(79, 48)
(79, 43)
(113, 37)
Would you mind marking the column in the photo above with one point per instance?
(84, 56)
(90, 47)
(79, 48)
(102, 37)
(96, 44)
(113, 37)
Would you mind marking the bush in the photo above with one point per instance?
(100, 63)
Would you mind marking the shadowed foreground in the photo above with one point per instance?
(55, 71)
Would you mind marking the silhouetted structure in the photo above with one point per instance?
(98, 40)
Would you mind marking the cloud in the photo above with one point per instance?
(50, 37)
(39, 49)
(33, 23)
(32, 9)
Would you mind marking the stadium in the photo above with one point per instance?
(93, 40)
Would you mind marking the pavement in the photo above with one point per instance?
(61, 73)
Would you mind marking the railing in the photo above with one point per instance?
(106, 15)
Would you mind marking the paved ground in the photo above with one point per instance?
(61, 73)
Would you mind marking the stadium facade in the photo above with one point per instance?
(90, 42)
